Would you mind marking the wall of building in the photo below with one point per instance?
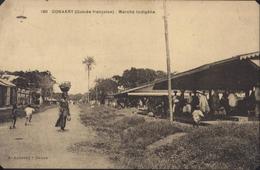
(7, 96)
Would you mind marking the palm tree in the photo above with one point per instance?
(88, 62)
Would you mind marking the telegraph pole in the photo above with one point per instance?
(168, 61)
(96, 90)
(88, 82)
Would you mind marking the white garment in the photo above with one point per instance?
(232, 100)
(197, 114)
(41, 100)
(204, 106)
(187, 108)
(29, 111)
(175, 99)
(189, 99)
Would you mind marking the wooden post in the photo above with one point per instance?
(88, 82)
(96, 91)
(168, 61)
(257, 97)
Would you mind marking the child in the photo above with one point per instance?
(28, 110)
(14, 116)
(197, 114)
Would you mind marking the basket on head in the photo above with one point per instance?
(65, 86)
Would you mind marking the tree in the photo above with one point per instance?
(136, 77)
(104, 88)
(35, 80)
(46, 83)
(88, 62)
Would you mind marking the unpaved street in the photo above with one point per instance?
(42, 145)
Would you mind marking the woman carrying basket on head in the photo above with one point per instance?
(64, 112)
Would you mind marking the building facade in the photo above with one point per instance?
(7, 93)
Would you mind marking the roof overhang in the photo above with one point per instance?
(236, 73)
(6, 83)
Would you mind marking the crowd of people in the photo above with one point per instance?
(198, 104)
(226, 103)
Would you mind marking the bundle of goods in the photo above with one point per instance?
(65, 86)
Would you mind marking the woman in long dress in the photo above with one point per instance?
(64, 112)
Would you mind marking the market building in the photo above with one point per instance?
(238, 74)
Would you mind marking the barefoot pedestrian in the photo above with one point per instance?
(29, 111)
(64, 111)
(14, 113)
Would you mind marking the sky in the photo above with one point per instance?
(200, 32)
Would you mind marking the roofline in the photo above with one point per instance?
(201, 68)
(206, 66)
(7, 83)
(135, 88)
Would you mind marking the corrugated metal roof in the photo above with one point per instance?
(251, 56)
(136, 88)
(9, 77)
(6, 83)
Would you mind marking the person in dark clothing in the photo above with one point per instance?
(14, 116)
(195, 101)
(215, 102)
(251, 102)
(224, 102)
(64, 112)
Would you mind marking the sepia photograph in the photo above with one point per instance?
(129, 84)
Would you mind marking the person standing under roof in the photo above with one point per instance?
(175, 102)
(215, 102)
(203, 103)
(189, 98)
(232, 101)
(182, 102)
(195, 100)
(224, 102)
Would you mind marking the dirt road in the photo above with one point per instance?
(41, 145)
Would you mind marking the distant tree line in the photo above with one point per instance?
(130, 78)
(43, 80)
